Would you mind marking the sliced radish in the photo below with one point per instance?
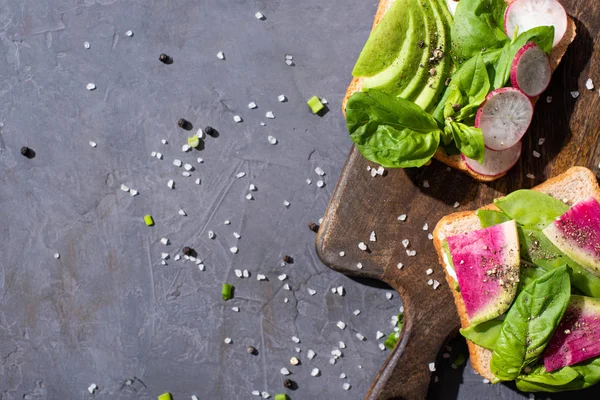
(452, 5)
(527, 14)
(531, 70)
(495, 162)
(504, 117)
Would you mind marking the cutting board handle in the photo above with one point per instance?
(406, 373)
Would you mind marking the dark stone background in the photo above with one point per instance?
(107, 311)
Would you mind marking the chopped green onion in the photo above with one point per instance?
(460, 360)
(165, 396)
(194, 141)
(315, 104)
(149, 220)
(282, 396)
(227, 291)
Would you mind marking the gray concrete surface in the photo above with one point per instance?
(107, 312)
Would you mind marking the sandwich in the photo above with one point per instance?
(453, 80)
(525, 276)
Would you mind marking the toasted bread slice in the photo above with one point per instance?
(573, 186)
(456, 161)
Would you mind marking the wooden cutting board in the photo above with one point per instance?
(362, 204)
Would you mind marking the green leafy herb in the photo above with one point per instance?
(530, 323)
(484, 334)
(478, 24)
(392, 339)
(574, 377)
(531, 209)
(489, 218)
(468, 139)
(543, 36)
(227, 291)
(391, 131)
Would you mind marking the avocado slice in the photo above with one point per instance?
(441, 62)
(386, 42)
(399, 74)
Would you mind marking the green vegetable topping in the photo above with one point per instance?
(193, 141)
(484, 334)
(392, 339)
(282, 396)
(165, 396)
(315, 104)
(530, 323)
(489, 218)
(530, 208)
(227, 291)
(149, 220)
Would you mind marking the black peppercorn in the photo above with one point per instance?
(184, 124)
(165, 59)
(288, 259)
(313, 227)
(251, 350)
(187, 251)
(288, 383)
(27, 152)
(210, 131)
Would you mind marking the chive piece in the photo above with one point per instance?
(282, 396)
(193, 141)
(315, 104)
(149, 220)
(165, 396)
(227, 291)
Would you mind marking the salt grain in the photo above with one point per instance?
(252, 188)
(237, 118)
(456, 204)
(246, 274)
(372, 237)
(87, 45)
(159, 156)
(281, 98)
(430, 236)
(182, 213)
(56, 255)
(360, 336)
(211, 235)
(227, 222)
(426, 226)
(270, 115)
(284, 371)
(536, 154)
(238, 273)
(432, 366)
(430, 282)
(295, 339)
(236, 309)
(221, 55)
(311, 292)
(197, 181)
(346, 386)
(90, 86)
(188, 167)
(342, 376)
(589, 84)
(436, 284)
(249, 197)
(261, 277)
(124, 188)
(92, 143)
(380, 171)
(227, 340)
(575, 94)
(429, 271)
(541, 141)
(399, 265)
(411, 253)
(282, 277)
(359, 265)
(379, 335)
(310, 354)
(530, 176)
(272, 140)
(289, 62)
(341, 345)
(233, 249)
(308, 181)
(164, 241)
(286, 203)
(177, 162)
(381, 346)
(425, 183)
(340, 290)
(265, 395)
(186, 174)
(129, 33)
(389, 295)
(356, 312)
(402, 217)
(319, 171)
(259, 15)
(405, 243)
(341, 325)
(315, 372)
(320, 184)
(362, 246)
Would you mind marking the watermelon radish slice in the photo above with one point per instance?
(495, 162)
(486, 262)
(577, 337)
(577, 234)
(504, 117)
(530, 71)
(527, 14)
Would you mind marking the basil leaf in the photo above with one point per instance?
(536, 248)
(472, 79)
(478, 24)
(529, 273)
(489, 218)
(574, 377)
(392, 339)
(531, 208)
(530, 323)
(484, 334)
(543, 36)
(391, 131)
(469, 140)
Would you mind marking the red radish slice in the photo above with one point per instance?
(452, 5)
(495, 162)
(531, 70)
(504, 117)
(527, 14)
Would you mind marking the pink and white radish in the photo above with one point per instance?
(495, 162)
(504, 117)
(531, 70)
(452, 4)
(527, 14)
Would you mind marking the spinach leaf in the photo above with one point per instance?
(478, 24)
(530, 323)
(392, 339)
(529, 273)
(531, 208)
(469, 86)
(391, 131)
(543, 36)
(484, 334)
(469, 140)
(574, 377)
(536, 248)
(489, 218)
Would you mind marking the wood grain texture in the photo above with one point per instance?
(361, 204)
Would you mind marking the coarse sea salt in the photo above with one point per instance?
(589, 84)
(221, 55)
